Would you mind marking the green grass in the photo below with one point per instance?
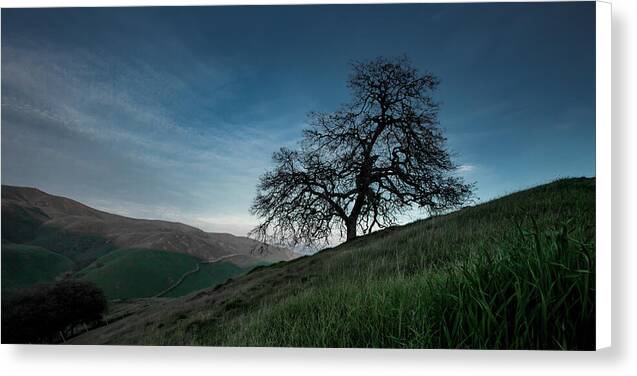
(136, 273)
(24, 265)
(19, 225)
(529, 294)
(514, 273)
(82, 249)
(209, 275)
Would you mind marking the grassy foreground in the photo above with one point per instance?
(514, 273)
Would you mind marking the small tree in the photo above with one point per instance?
(40, 313)
(359, 167)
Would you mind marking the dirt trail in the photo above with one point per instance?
(195, 270)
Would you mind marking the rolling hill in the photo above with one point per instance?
(32, 215)
(137, 273)
(517, 272)
(45, 236)
(24, 265)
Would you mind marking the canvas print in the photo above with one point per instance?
(413, 176)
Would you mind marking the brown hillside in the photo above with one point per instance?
(69, 216)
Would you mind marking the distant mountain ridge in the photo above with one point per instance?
(28, 213)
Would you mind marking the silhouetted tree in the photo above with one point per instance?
(41, 313)
(361, 166)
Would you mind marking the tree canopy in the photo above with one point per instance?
(49, 313)
(358, 168)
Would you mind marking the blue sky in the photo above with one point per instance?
(173, 113)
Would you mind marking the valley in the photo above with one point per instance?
(47, 237)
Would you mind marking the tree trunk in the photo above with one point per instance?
(351, 230)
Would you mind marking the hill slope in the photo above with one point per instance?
(137, 273)
(515, 273)
(45, 235)
(28, 265)
(69, 227)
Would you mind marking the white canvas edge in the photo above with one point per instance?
(602, 119)
(603, 12)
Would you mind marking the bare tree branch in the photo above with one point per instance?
(358, 168)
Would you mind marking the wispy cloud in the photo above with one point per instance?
(466, 168)
(191, 150)
(107, 113)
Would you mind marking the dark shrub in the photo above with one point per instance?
(49, 313)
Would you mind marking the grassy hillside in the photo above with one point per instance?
(208, 275)
(142, 273)
(24, 265)
(513, 273)
(83, 234)
(82, 249)
(19, 225)
(99, 246)
(130, 273)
